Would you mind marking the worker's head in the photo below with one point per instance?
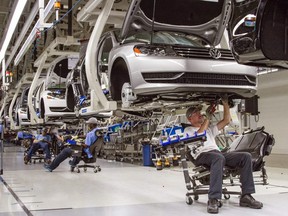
(44, 130)
(194, 116)
(92, 123)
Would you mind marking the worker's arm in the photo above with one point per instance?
(226, 115)
(37, 139)
(204, 126)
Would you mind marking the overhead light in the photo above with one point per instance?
(14, 21)
(31, 37)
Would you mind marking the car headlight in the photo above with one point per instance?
(153, 50)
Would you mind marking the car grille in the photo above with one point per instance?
(203, 53)
(57, 109)
(200, 78)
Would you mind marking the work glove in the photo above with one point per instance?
(210, 110)
(225, 100)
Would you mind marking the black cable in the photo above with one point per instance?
(153, 21)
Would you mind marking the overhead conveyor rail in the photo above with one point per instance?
(99, 102)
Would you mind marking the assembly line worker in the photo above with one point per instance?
(210, 155)
(41, 141)
(67, 152)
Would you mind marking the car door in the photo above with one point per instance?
(105, 46)
(258, 32)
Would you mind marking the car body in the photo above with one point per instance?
(169, 57)
(175, 57)
(50, 93)
(22, 108)
(74, 88)
(253, 28)
(175, 71)
(35, 97)
(6, 103)
(77, 89)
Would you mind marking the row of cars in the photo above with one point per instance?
(48, 98)
(167, 55)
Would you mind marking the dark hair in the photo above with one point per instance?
(192, 110)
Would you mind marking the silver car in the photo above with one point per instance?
(166, 54)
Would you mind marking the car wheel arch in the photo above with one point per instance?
(70, 98)
(42, 108)
(118, 76)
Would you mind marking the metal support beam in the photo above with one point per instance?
(3, 102)
(3, 72)
(25, 80)
(2, 127)
(51, 49)
(70, 31)
(88, 9)
(34, 119)
(12, 123)
(99, 102)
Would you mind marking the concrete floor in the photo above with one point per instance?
(120, 189)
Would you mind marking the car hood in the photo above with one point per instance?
(204, 18)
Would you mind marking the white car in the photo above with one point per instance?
(50, 97)
(22, 108)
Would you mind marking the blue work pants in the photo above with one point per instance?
(63, 155)
(36, 146)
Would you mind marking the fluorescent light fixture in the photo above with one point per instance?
(31, 36)
(14, 21)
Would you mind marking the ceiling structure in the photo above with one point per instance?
(77, 18)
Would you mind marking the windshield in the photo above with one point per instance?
(170, 38)
(54, 85)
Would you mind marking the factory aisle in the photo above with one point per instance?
(120, 189)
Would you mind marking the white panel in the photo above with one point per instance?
(273, 107)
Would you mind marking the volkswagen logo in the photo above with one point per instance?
(214, 53)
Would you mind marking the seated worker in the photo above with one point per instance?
(209, 155)
(67, 152)
(41, 141)
(57, 141)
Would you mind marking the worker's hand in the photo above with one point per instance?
(226, 102)
(84, 145)
(224, 99)
(210, 110)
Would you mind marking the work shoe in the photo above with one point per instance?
(248, 201)
(212, 206)
(47, 161)
(26, 159)
(71, 163)
(47, 167)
